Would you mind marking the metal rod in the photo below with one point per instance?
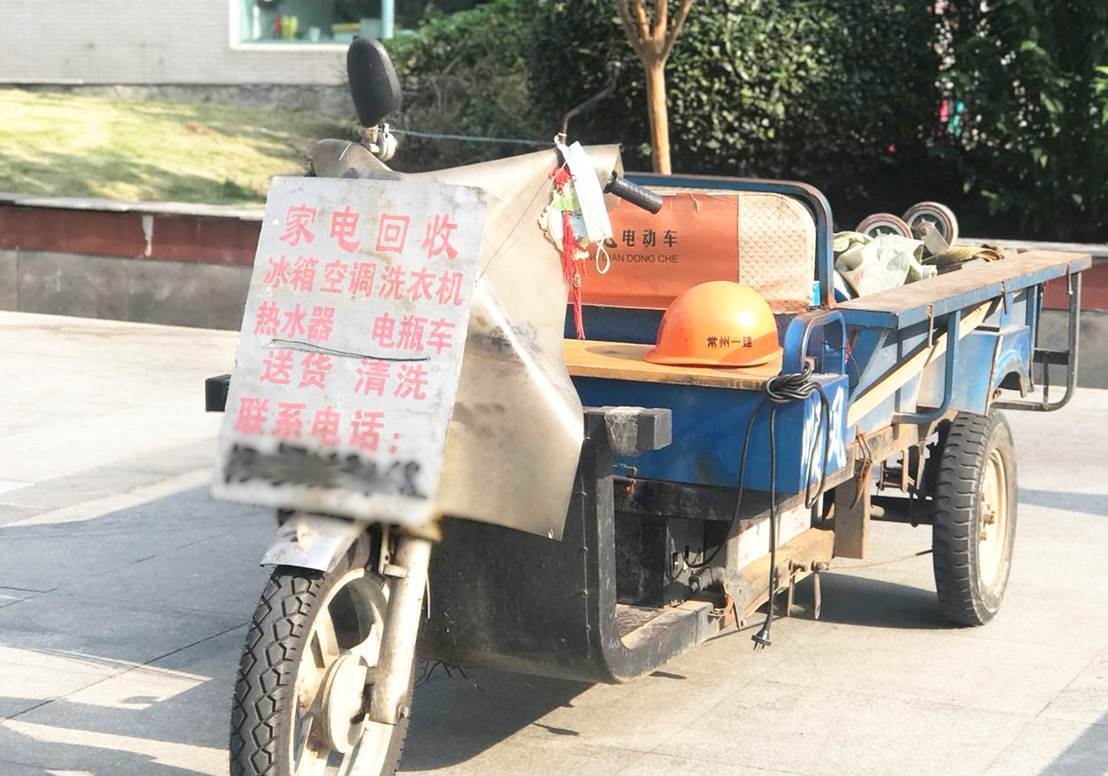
(950, 361)
(389, 701)
(1072, 345)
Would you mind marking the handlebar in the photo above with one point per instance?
(633, 193)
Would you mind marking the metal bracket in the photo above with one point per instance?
(636, 430)
(953, 325)
(1048, 357)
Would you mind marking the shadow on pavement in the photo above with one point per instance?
(1088, 753)
(1089, 503)
(855, 600)
(454, 719)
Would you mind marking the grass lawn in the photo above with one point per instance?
(65, 145)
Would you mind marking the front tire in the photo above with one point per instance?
(975, 517)
(298, 703)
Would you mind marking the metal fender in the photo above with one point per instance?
(1014, 357)
(311, 541)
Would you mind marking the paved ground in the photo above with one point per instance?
(124, 590)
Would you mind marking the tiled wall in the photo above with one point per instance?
(168, 267)
(147, 41)
(210, 296)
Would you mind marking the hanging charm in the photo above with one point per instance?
(564, 226)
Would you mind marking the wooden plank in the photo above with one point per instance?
(814, 545)
(852, 519)
(906, 370)
(909, 304)
(624, 361)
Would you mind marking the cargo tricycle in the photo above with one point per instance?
(687, 494)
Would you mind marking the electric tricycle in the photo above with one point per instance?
(691, 482)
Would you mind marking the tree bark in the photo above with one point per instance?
(659, 115)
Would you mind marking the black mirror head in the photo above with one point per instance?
(373, 82)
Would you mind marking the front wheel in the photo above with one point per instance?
(301, 694)
(975, 517)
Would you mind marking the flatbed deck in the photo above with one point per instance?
(624, 361)
(937, 296)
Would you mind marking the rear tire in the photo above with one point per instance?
(277, 727)
(975, 517)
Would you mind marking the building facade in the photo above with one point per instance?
(203, 42)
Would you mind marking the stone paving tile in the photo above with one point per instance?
(563, 757)
(57, 624)
(817, 731)
(667, 765)
(937, 665)
(1085, 699)
(1056, 748)
(182, 699)
(220, 575)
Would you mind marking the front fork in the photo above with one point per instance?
(317, 542)
(389, 701)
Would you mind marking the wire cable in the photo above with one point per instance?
(471, 138)
(779, 391)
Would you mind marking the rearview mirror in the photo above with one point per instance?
(373, 82)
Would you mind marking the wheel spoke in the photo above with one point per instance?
(326, 640)
(313, 762)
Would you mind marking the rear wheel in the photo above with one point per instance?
(975, 517)
(299, 701)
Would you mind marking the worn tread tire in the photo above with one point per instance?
(963, 598)
(264, 686)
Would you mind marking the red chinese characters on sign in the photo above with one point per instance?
(441, 337)
(325, 426)
(392, 285)
(437, 237)
(392, 232)
(334, 274)
(297, 222)
(365, 429)
(373, 375)
(384, 328)
(421, 285)
(268, 319)
(288, 424)
(277, 273)
(252, 415)
(411, 382)
(411, 332)
(277, 367)
(321, 323)
(450, 288)
(294, 323)
(344, 228)
(302, 275)
(303, 319)
(314, 370)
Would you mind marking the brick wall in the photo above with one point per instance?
(147, 41)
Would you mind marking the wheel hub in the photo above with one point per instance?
(993, 524)
(341, 702)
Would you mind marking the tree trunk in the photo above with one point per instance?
(659, 115)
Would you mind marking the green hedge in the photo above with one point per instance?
(1033, 151)
(465, 73)
(843, 94)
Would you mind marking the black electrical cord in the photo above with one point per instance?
(778, 391)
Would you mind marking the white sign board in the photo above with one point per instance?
(351, 347)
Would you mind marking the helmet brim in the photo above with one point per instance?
(656, 358)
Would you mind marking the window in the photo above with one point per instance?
(331, 21)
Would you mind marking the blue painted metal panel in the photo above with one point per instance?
(708, 429)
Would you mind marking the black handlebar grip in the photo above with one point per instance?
(636, 195)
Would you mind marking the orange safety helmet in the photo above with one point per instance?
(720, 323)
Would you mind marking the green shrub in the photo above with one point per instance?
(1033, 151)
(465, 73)
(840, 94)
